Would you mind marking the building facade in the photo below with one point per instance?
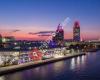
(59, 35)
(0, 38)
(76, 32)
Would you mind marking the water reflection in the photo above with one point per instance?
(72, 66)
(83, 60)
(77, 62)
(58, 66)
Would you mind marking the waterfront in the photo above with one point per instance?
(85, 67)
(15, 58)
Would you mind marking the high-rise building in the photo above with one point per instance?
(76, 31)
(59, 35)
(0, 38)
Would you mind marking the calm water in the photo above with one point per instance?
(80, 68)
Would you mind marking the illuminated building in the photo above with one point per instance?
(76, 32)
(8, 39)
(52, 44)
(59, 35)
(35, 54)
(0, 38)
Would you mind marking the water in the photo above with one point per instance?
(86, 67)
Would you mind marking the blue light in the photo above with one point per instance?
(52, 44)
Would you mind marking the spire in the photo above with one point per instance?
(59, 28)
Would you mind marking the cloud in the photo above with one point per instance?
(31, 33)
(45, 32)
(15, 30)
(42, 33)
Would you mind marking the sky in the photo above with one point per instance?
(18, 18)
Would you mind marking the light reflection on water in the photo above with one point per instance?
(57, 66)
(72, 66)
(12, 77)
(77, 62)
(83, 59)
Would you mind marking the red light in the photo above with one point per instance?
(76, 24)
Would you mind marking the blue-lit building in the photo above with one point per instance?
(52, 44)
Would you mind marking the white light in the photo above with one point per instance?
(53, 34)
(4, 40)
(1, 62)
(2, 78)
(15, 54)
(15, 43)
(57, 56)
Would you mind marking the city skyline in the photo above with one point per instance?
(18, 18)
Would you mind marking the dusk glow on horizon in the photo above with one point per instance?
(18, 18)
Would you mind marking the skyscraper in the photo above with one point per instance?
(0, 38)
(76, 31)
(59, 35)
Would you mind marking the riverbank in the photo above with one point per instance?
(14, 68)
